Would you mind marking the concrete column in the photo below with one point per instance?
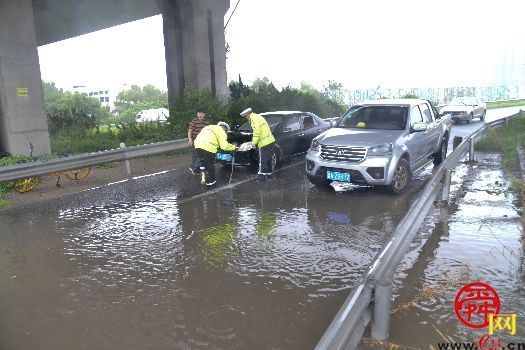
(218, 9)
(173, 49)
(22, 116)
(195, 46)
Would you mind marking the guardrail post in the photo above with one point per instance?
(128, 165)
(382, 307)
(471, 150)
(447, 175)
(506, 121)
(456, 142)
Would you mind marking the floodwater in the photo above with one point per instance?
(152, 263)
(481, 242)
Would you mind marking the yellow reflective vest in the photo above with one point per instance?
(262, 135)
(211, 138)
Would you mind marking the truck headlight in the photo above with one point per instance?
(380, 150)
(316, 147)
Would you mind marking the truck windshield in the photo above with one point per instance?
(375, 117)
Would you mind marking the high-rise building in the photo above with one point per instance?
(510, 70)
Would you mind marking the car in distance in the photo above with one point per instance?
(293, 132)
(465, 109)
(379, 142)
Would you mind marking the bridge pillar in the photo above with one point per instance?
(22, 115)
(195, 46)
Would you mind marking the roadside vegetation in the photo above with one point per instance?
(79, 124)
(505, 140)
(506, 104)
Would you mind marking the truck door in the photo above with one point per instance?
(417, 139)
(433, 130)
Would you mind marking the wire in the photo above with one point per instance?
(231, 173)
(235, 8)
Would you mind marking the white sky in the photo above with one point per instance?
(363, 44)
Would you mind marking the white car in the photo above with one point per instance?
(465, 109)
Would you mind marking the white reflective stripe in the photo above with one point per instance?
(213, 183)
(259, 173)
(260, 162)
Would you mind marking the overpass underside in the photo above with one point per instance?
(193, 39)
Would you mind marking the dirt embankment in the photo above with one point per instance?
(99, 176)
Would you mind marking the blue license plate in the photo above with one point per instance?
(337, 176)
(224, 156)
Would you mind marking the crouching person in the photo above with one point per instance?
(210, 139)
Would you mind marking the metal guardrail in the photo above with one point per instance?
(370, 299)
(37, 168)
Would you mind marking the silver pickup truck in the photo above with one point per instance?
(379, 143)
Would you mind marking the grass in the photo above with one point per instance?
(3, 202)
(505, 140)
(506, 104)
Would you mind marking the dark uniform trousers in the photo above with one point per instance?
(265, 159)
(207, 165)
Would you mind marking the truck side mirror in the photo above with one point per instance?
(417, 127)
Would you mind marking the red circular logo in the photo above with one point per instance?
(474, 303)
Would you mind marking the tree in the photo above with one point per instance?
(135, 94)
(335, 92)
(238, 89)
(186, 108)
(66, 110)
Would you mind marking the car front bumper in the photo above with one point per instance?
(371, 171)
(457, 117)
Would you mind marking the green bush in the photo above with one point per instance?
(134, 133)
(505, 140)
(75, 141)
(186, 108)
(6, 187)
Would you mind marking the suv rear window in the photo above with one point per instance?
(375, 117)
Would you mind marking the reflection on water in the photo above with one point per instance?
(225, 271)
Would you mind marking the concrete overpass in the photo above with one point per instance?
(193, 39)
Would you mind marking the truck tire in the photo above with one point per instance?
(470, 117)
(402, 177)
(482, 118)
(441, 154)
(319, 182)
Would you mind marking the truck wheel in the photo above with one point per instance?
(441, 154)
(318, 181)
(470, 116)
(482, 118)
(402, 177)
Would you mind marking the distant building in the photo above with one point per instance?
(510, 68)
(104, 95)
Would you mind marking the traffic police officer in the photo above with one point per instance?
(209, 140)
(262, 138)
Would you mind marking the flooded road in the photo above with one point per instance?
(153, 263)
(482, 241)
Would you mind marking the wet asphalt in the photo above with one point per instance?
(160, 262)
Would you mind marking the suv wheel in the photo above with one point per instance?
(402, 177)
(319, 182)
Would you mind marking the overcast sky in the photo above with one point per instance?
(363, 44)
